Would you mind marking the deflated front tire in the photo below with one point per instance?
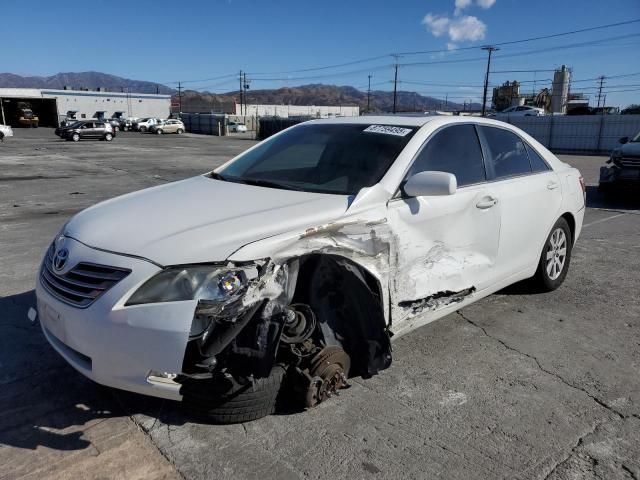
(229, 400)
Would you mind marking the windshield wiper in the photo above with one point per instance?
(255, 181)
(269, 184)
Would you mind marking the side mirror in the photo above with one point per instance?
(623, 140)
(430, 183)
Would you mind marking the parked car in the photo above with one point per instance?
(520, 111)
(87, 129)
(623, 168)
(302, 256)
(5, 131)
(145, 124)
(168, 126)
(237, 127)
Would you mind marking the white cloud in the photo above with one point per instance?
(458, 29)
(437, 24)
(486, 3)
(462, 4)
(451, 46)
(467, 28)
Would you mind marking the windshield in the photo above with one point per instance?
(324, 158)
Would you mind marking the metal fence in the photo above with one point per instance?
(268, 126)
(205, 123)
(580, 133)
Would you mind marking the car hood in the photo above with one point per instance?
(199, 219)
(631, 149)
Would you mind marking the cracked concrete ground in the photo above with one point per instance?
(514, 386)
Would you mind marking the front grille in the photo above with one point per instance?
(630, 162)
(81, 285)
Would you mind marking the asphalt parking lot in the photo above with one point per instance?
(514, 386)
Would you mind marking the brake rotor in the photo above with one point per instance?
(329, 371)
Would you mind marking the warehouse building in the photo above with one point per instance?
(51, 106)
(285, 111)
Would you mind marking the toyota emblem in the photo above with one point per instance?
(60, 259)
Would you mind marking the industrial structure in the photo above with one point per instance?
(51, 106)
(555, 100)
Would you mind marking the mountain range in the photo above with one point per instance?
(313, 94)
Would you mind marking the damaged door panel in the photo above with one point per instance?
(445, 246)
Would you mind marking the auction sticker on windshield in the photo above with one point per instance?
(388, 130)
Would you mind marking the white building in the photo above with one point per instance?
(318, 111)
(51, 106)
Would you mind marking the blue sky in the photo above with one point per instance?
(167, 41)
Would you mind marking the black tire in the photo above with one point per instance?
(240, 403)
(543, 281)
(1, 137)
(179, 131)
(159, 131)
(143, 129)
(75, 137)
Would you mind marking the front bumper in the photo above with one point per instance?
(118, 346)
(615, 174)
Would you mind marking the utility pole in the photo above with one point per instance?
(245, 85)
(395, 83)
(241, 92)
(601, 80)
(180, 96)
(369, 95)
(446, 102)
(490, 49)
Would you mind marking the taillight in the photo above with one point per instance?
(582, 184)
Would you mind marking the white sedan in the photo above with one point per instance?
(237, 127)
(302, 256)
(520, 111)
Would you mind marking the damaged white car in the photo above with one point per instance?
(289, 268)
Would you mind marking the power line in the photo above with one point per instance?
(423, 52)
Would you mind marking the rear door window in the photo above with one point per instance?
(507, 152)
(456, 150)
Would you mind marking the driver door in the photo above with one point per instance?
(446, 246)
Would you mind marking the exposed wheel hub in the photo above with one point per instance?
(328, 374)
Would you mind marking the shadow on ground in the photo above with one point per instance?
(44, 401)
(622, 199)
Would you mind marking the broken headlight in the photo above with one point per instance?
(209, 283)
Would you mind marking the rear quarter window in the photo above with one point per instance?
(537, 162)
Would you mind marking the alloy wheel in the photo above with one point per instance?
(556, 253)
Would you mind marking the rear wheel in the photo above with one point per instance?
(241, 402)
(143, 129)
(159, 131)
(555, 258)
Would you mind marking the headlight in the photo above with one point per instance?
(199, 282)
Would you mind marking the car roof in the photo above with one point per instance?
(413, 120)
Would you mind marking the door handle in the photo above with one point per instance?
(486, 202)
(552, 185)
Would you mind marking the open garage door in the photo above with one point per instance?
(44, 108)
